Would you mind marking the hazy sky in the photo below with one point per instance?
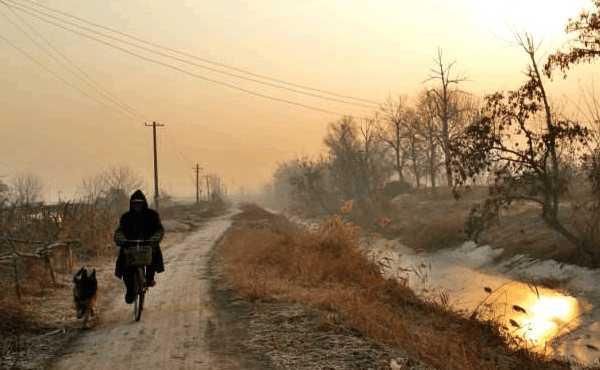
(369, 48)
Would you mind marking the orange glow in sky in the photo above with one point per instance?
(369, 49)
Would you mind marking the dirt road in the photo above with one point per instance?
(173, 331)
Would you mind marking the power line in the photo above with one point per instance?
(84, 75)
(176, 68)
(153, 51)
(65, 63)
(185, 159)
(205, 60)
(48, 70)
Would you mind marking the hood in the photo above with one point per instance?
(138, 195)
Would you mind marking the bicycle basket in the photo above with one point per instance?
(139, 255)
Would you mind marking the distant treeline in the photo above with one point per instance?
(517, 142)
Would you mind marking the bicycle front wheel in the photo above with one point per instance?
(138, 303)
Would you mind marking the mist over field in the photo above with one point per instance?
(371, 51)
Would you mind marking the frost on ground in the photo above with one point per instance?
(292, 336)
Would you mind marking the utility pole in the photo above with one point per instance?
(154, 125)
(197, 169)
(207, 188)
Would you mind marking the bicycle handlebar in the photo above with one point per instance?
(133, 242)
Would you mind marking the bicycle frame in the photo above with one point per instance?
(139, 284)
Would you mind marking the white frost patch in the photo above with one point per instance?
(471, 255)
(577, 279)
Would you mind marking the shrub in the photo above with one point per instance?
(394, 188)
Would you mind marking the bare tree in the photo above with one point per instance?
(415, 144)
(373, 156)
(392, 131)
(302, 184)
(122, 178)
(26, 189)
(356, 159)
(429, 130)
(4, 194)
(111, 187)
(343, 144)
(368, 140)
(521, 135)
(92, 188)
(216, 186)
(445, 103)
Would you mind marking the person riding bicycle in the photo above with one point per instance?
(139, 223)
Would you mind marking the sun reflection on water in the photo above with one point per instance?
(546, 316)
(549, 321)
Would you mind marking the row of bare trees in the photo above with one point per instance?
(23, 190)
(420, 135)
(102, 198)
(110, 186)
(406, 143)
(528, 150)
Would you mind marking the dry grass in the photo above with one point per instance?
(14, 317)
(436, 231)
(34, 226)
(89, 223)
(24, 322)
(15, 320)
(267, 258)
(524, 232)
(430, 221)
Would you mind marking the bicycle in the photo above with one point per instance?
(138, 254)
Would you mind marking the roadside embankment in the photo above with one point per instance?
(266, 258)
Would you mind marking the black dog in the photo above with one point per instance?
(84, 293)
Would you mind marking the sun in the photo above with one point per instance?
(544, 19)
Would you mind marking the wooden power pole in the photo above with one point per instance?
(207, 188)
(154, 125)
(197, 169)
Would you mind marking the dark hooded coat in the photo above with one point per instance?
(144, 225)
